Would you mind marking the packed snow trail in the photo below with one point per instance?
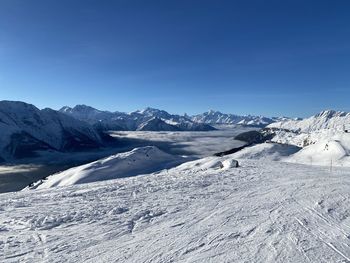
(259, 212)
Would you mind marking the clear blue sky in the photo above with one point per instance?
(260, 57)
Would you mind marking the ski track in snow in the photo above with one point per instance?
(263, 211)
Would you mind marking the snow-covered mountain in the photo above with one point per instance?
(138, 161)
(216, 117)
(151, 119)
(104, 120)
(157, 124)
(324, 138)
(148, 119)
(329, 119)
(25, 129)
(324, 126)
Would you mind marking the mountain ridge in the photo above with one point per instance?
(26, 129)
(136, 119)
(326, 119)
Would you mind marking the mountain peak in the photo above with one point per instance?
(330, 114)
(83, 107)
(65, 109)
(149, 110)
(213, 112)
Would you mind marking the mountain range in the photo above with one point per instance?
(148, 119)
(151, 119)
(26, 130)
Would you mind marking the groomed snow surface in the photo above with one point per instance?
(202, 211)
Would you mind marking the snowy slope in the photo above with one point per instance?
(24, 128)
(323, 137)
(259, 212)
(138, 161)
(266, 152)
(326, 153)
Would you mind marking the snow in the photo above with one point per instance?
(262, 211)
(327, 153)
(266, 151)
(138, 161)
(324, 152)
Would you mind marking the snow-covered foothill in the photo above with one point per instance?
(138, 161)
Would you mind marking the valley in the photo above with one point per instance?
(19, 174)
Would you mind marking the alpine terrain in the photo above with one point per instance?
(264, 203)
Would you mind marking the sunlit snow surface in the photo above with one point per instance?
(263, 211)
(138, 161)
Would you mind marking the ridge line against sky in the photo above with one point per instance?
(271, 58)
(178, 113)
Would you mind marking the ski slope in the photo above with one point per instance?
(202, 211)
